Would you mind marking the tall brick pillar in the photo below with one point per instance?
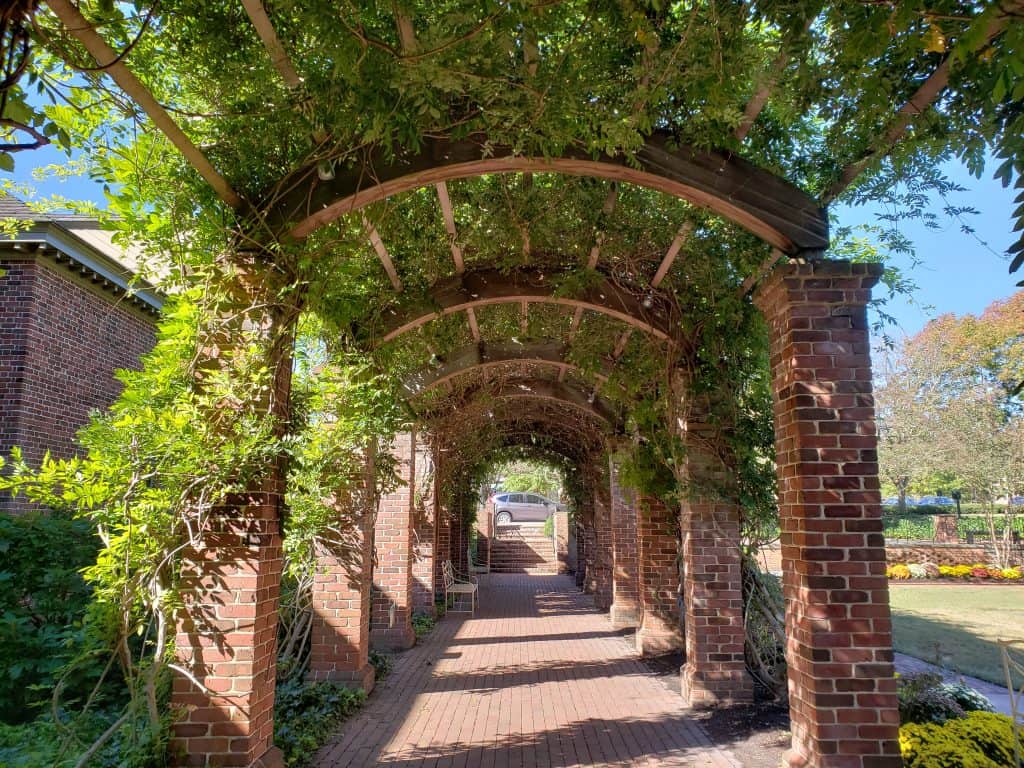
(340, 632)
(842, 693)
(585, 560)
(625, 608)
(560, 522)
(715, 671)
(424, 531)
(603, 556)
(661, 629)
(391, 619)
(442, 535)
(226, 629)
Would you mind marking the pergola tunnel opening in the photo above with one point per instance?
(405, 243)
(656, 532)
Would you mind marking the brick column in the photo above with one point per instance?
(424, 532)
(391, 621)
(841, 689)
(601, 562)
(340, 631)
(715, 671)
(625, 608)
(561, 526)
(226, 629)
(442, 535)
(582, 552)
(661, 629)
(944, 529)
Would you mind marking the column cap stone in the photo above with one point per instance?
(794, 274)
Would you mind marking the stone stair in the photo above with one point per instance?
(522, 549)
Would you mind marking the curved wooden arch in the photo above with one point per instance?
(488, 355)
(563, 393)
(770, 207)
(487, 287)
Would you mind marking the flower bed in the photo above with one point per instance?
(974, 572)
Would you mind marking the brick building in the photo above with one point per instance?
(72, 312)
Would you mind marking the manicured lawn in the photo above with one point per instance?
(957, 625)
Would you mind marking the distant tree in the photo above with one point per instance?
(950, 402)
(908, 438)
(532, 477)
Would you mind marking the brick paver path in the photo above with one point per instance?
(536, 679)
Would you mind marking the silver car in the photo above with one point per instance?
(522, 508)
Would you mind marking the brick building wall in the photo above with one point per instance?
(60, 342)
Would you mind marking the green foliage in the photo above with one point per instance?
(922, 699)
(530, 476)
(979, 740)
(43, 601)
(307, 714)
(549, 526)
(382, 664)
(423, 624)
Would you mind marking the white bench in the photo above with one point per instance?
(454, 586)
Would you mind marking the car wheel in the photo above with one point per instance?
(503, 518)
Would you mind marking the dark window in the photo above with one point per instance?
(515, 498)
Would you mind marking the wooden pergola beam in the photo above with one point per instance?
(763, 269)
(278, 56)
(673, 251)
(474, 327)
(724, 183)
(382, 254)
(760, 98)
(566, 395)
(448, 214)
(620, 345)
(113, 65)
(922, 99)
(606, 211)
(487, 287)
(482, 356)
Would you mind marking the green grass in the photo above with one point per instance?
(958, 625)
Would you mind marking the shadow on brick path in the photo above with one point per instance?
(536, 679)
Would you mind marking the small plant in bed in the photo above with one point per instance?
(422, 624)
(924, 698)
(307, 714)
(382, 664)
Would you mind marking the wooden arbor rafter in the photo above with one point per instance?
(731, 187)
(474, 357)
(105, 56)
(488, 287)
(564, 393)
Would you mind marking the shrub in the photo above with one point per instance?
(422, 624)
(968, 698)
(43, 600)
(932, 570)
(382, 664)
(922, 700)
(917, 571)
(979, 740)
(897, 572)
(960, 571)
(306, 715)
(1012, 574)
(979, 572)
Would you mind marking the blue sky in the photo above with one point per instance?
(959, 274)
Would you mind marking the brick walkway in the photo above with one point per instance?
(537, 679)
